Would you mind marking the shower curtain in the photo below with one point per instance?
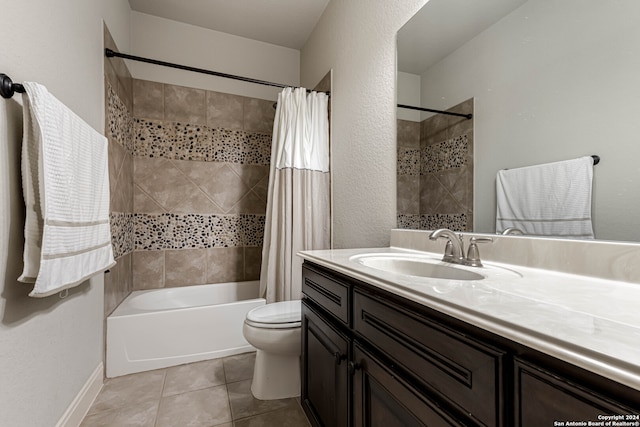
(298, 205)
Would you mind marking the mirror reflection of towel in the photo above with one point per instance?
(552, 199)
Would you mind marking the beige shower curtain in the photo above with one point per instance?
(298, 203)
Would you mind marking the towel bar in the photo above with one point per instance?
(8, 87)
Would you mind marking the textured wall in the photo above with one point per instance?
(357, 39)
(49, 347)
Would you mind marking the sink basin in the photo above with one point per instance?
(415, 266)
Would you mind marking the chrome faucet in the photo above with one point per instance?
(454, 250)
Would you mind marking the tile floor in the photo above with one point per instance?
(202, 394)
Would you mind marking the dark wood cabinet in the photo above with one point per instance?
(543, 398)
(383, 399)
(372, 358)
(325, 373)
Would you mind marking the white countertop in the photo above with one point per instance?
(591, 323)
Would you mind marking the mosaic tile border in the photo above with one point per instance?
(120, 121)
(452, 153)
(180, 141)
(455, 222)
(408, 221)
(408, 161)
(122, 233)
(154, 232)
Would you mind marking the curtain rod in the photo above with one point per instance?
(110, 54)
(410, 107)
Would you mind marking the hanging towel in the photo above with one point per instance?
(65, 179)
(552, 199)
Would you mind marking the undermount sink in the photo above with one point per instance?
(413, 265)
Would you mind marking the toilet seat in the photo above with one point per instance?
(277, 315)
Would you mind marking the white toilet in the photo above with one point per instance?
(274, 330)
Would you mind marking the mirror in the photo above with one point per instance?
(546, 81)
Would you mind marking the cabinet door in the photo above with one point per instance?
(325, 387)
(462, 371)
(546, 399)
(381, 399)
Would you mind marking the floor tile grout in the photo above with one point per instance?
(238, 367)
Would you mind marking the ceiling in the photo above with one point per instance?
(281, 22)
(442, 26)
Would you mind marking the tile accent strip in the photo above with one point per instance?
(122, 233)
(155, 232)
(120, 120)
(457, 221)
(444, 155)
(180, 141)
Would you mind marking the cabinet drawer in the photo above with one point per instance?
(542, 398)
(329, 293)
(463, 372)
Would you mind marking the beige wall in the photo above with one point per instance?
(48, 347)
(180, 43)
(357, 39)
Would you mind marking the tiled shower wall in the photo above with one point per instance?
(435, 172)
(119, 131)
(201, 172)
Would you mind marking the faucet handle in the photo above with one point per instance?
(473, 254)
(448, 251)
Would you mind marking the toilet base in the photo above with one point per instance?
(276, 376)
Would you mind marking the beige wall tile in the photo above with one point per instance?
(185, 267)
(324, 85)
(116, 158)
(249, 204)
(408, 194)
(224, 187)
(166, 186)
(258, 115)
(250, 174)
(196, 201)
(143, 166)
(252, 262)
(225, 110)
(148, 99)
(225, 265)
(185, 105)
(408, 134)
(143, 203)
(148, 270)
(262, 188)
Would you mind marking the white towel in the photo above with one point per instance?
(65, 179)
(552, 199)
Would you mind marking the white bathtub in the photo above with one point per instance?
(166, 327)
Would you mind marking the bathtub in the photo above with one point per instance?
(166, 327)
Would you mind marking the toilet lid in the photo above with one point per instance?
(276, 313)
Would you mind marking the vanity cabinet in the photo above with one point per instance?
(325, 375)
(543, 397)
(372, 358)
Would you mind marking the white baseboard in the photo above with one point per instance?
(76, 411)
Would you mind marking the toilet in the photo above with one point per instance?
(274, 330)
